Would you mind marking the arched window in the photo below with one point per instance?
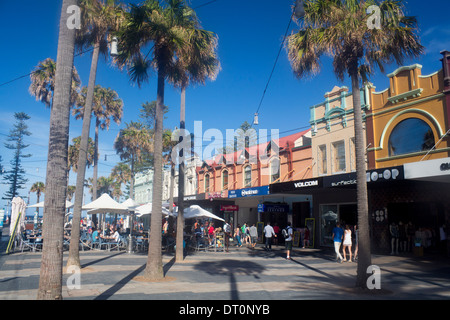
(207, 182)
(247, 176)
(274, 170)
(225, 180)
(410, 135)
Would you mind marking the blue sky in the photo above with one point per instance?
(250, 33)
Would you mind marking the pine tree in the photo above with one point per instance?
(15, 176)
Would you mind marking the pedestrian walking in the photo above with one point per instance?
(268, 233)
(227, 231)
(237, 235)
(337, 236)
(347, 243)
(288, 240)
(253, 235)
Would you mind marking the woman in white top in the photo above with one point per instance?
(347, 242)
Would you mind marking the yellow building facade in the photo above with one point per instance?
(407, 122)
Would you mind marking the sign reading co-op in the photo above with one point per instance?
(248, 192)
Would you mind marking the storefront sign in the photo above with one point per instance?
(386, 174)
(340, 180)
(249, 192)
(432, 170)
(277, 208)
(229, 207)
(349, 179)
(215, 195)
(295, 185)
(200, 196)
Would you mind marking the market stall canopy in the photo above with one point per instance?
(147, 209)
(130, 204)
(105, 204)
(41, 205)
(196, 211)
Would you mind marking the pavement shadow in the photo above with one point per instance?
(100, 260)
(231, 268)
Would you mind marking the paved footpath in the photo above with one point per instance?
(241, 274)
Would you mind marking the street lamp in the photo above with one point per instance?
(114, 45)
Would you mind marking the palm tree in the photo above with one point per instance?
(74, 151)
(106, 106)
(132, 143)
(196, 63)
(121, 173)
(43, 82)
(50, 280)
(163, 27)
(342, 29)
(70, 192)
(38, 187)
(98, 20)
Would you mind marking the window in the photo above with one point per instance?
(338, 156)
(207, 183)
(322, 156)
(247, 176)
(410, 135)
(274, 170)
(225, 180)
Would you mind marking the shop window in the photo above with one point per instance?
(322, 156)
(247, 176)
(225, 180)
(328, 218)
(275, 170)
(338, 156)
(410, 135)
(207, 183)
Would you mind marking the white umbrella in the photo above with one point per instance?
(18, 205)
(41, 205)
(105, 204)
(196, 211)
(147, 209)
(130, 204)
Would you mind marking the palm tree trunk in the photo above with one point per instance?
(364, 251)
(50, 280)
(95, 169)
(180, 218)
(74, 249)
(154, 268)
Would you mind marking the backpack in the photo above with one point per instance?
(285, 233)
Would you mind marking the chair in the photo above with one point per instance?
(26, 243)
(140, 243)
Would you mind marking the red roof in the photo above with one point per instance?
(283, 143)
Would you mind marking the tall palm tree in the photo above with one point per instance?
(43, 82)
(50, 279)
(196, 63)
(39, 188)
(132, 143)
(343, 30)
(162, 27)
(121, 173)
(106, 106)
(98, 20)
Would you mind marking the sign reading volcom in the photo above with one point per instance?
(302, 184)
